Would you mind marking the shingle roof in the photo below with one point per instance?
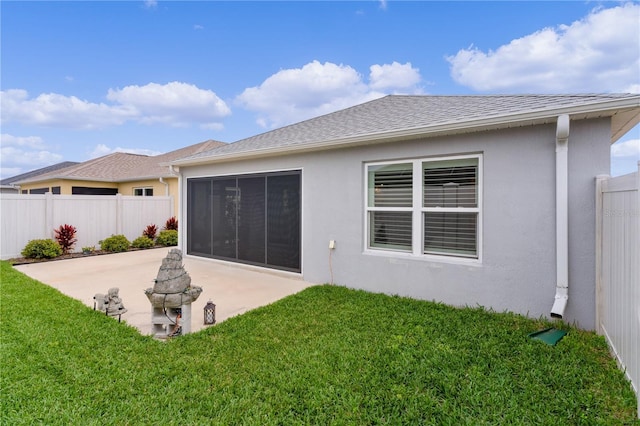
(396, 115)
(34, 173)
(123, 167)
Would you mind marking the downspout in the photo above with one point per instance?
(562, 217)
(166, 187)
(181, 235)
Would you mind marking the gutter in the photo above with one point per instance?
(562, 217)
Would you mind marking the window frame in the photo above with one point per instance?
(144, 190)
(418, 211)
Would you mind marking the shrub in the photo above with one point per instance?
(42, 249)
(115, 243)
(142, 242)
(171, 224)
(150, 231)
(66, 237)
(168, 238)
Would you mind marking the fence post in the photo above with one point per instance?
(48, 219)
(600, 179)
(119, 214)
(635, 268)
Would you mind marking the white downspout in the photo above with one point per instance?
(166, 187)
(562, 217)
(181, 235)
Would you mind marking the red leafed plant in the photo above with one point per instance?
(172, 224)
(150, 231)
(66, 237)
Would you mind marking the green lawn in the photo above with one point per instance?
(327, 355)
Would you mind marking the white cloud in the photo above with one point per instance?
(628, 148)
(625, 155)
(150, 4)
(297, 94)
(173, 104)
(599, 53)
(18, 154)
(101, 150)
(54, 110)
(176, 104)
(395, 76)
(6, 172)
(34, 142)
(632, 88)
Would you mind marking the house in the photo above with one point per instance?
(466, 200)
(7, 185)
(117, 173)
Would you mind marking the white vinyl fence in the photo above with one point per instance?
(618, 270)
(95, 217)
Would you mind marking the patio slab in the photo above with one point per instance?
(234, 289)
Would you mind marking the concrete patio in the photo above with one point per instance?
(234, 289)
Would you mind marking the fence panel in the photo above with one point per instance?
(21, 220)
(138, 212)
(93, 217)
(29, 217)
(618, 294)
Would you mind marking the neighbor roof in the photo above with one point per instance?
(397, 117)
(33, 173)
(124, 167)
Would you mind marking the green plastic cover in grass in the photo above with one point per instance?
(550, 336)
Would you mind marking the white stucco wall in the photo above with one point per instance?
(517, 269)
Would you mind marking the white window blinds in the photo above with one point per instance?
(450, 201)
(429, 207)
(390, 203)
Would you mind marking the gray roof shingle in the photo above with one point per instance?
(37, 172)
(400, 113)
(123, 167)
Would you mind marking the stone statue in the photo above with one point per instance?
(110, 303)
(172, 287)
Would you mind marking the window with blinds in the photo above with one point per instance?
(450, 207)
(425, 207)
(390, 206)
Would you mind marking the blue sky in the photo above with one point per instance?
(84, 79)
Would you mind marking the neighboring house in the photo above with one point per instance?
(8, 186)
(467, 200)
(117, 173)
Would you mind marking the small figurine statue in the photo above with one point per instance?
(110, 303)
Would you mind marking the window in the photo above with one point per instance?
(143, 192)
(84, 190)
(39, 191)
(425, 206)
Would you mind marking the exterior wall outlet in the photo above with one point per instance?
(332, 244)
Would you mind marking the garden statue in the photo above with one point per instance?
(172, 287)
(110, 303)
(171, 297)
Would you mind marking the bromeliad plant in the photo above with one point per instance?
(150, 231)
(66, 237)
(172, 224)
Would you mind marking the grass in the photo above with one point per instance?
(327, 355)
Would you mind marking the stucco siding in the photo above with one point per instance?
(589, 156)
(516, 271)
